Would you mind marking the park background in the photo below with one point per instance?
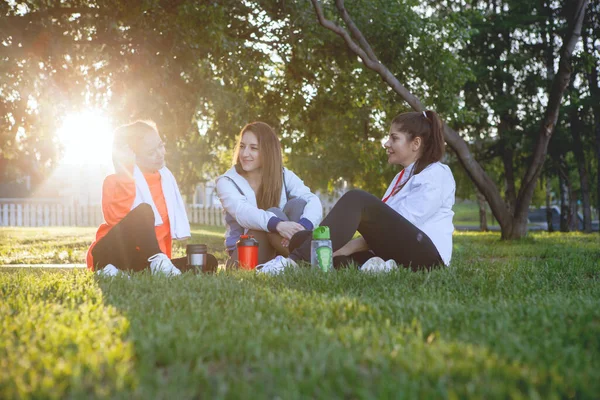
(73, 71)
(516, 315)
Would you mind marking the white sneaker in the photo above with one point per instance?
(275, 266)
(109, 270)
(376, 264)
(161, 264)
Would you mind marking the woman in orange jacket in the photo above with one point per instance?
(142, 207)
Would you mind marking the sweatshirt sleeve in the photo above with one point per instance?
(313, 211)
(118, 194)
(237, 205)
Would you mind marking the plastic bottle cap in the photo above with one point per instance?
(322, 232)
(247, 240)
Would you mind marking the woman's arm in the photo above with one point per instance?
(118, 190)
(237, 205)
(118, 194)
(313, 211)
(123, 157)
(353, 246)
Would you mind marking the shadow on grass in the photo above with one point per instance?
(303, 334)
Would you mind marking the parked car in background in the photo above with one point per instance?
(538, 220)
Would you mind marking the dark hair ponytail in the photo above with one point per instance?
(428, 126)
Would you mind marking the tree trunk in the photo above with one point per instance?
(573, 213)
(513, 226)
(564, 207)
(549, 218)
(583, 174)
(507, 155)
(597, 128)
(559, 85)
(564, 187)
(483, 227)
(592, 77)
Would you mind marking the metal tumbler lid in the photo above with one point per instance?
(247, 240)
(196, 249)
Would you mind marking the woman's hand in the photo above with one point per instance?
(287, 229)
(123, 157)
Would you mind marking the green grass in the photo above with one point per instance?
(507, 320)
(58, 245)
(468, 214)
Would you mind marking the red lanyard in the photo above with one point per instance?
(395, 186)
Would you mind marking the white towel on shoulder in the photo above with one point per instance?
(178, 220)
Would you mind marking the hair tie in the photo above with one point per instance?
(425, 115)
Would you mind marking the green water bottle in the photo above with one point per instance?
(321, 251)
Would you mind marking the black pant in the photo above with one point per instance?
(388, 234)
(130, 243)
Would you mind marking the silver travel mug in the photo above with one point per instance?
(196, 256)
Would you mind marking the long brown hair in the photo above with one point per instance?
(269, 148)
(428, 126)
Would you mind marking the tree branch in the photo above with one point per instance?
(56, 12)
(355, 31)
(376, 66)
(456, 142)
(559, 85)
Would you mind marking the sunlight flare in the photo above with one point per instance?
(86, 138)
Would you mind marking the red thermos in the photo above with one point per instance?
(247, 252)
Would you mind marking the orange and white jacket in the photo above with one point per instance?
(118, 195)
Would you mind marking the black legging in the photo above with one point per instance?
(130, 243)
(388, 234)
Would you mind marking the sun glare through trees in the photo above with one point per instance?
(86, 138)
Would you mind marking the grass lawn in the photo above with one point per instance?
(468, 214)
(57, 245)
(507, 320)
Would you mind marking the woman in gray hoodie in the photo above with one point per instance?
(262, 198)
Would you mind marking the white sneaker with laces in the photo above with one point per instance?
(376, 264)
(161, 264)
(108, 270)
(275, 266)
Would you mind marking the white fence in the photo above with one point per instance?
(56, 214)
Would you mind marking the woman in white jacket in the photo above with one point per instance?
(411, 225)
(263, 199)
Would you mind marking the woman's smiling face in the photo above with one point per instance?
(400, 149)
(150, 152)
(249, 152)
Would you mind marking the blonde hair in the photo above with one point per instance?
(133, 133)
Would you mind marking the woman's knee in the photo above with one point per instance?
(355, 195)
(278, 213)
(144, 210)
(265, 250)
(294, 209)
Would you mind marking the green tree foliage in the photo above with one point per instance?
(191, 67)
(202, 70)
